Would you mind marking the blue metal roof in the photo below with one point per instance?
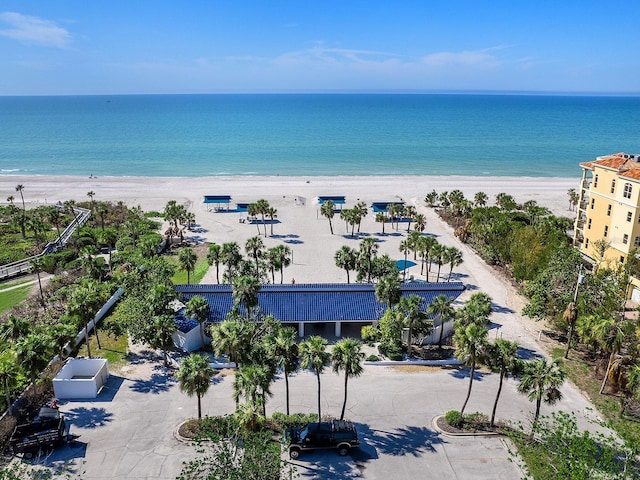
(217, 199)
(353, 302)
(382, 206)
(338, 199)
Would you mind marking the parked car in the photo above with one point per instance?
(340, 435)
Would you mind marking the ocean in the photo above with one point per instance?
(311, 135)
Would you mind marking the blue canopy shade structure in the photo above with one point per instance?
(242, 207)
(220, 201)
(337, 200)
(382, 206)
(352, 302)
(404, 264)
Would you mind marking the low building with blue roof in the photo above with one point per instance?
(310, 306)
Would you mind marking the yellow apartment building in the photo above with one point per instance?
(609, 209)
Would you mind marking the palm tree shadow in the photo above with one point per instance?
(60, 460)
(527, 354)
(158, 383)
(408, 440)
(90, 418)
(464, 373)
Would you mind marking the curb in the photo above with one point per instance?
(180, 438)
(431, 363)
(434, 424)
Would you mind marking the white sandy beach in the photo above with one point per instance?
(299, 222)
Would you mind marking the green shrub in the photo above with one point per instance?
(370, 334)
(452, 417)
(373, 358)
(475, 420)
(281, 421)
(391, 350)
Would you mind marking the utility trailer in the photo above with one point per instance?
(47, 430)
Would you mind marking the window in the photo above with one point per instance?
(593, 202)
(589, 224)
(625, 239)
(606, 231)
(595, 181)
(629, 216)
(621, 259)
(613, 185)
(636, 242)
(627, 190)
(586, 243)
(608, 210)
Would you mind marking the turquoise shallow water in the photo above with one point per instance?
(204, 135)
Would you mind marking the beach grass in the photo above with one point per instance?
(11, 298)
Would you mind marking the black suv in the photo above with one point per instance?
(338, 434)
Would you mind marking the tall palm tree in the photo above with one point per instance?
(253, 211)
(91, 194)
(502, 357)
(254, 248)
(427, 245)
(413, 316)
(347, 357)
(327, 210)
(388, 290)
(315, 358)
(442, 308)
(272, 213)
(570, 316)
(381, 217)
(454, 259)
(194, 376)
(231, 258)
(245, 292)
(419, 222)
(86, 299)
(263, 207)
(214, 257)
(284, 348)
(161, 338)
(470, 344)
(438, 255)
(187, 260)
(541, 380)
(410, 212)
(283, 254)
(36, 266)
(346, 258)
(230, 337)
(198, 308)
(404, 247)
(20, 188)
(610, 334)
(368, 249)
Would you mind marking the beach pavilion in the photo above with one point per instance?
(312, 308)
(219, 202)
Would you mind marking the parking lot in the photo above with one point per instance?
(128, 432)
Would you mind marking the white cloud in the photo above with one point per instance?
(477, 58)
(331, 55)
(28, 29)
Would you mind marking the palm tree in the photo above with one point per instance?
(347, 357)
(610, 333)
(272, 213)
(86, 299)
(381, 217)
(14, 328)
(541, 380)
(36, 266)
(388, 290)
(327, 210)
(410, 212)
(254, 247)
(20, 188)
(502, 357)
(194, 376)
(253, 211)
(413, 316)
(438, 255)
(214, 257)
(263, 208)
(163, 328)
(245, 292)
(441, 307)
(9, 373)
(405, 246)
(285, 350)
(454, 258)
(34, 353)
(230, 337)
(231, 258)
(480, 199)
(346, 258)
(91, 194)
(470, 344)
(570, 316)
(368, 249)
(198, 308)
(394, 213)
(187, 260)
(419, 222)
(315, 358)
(283, 255)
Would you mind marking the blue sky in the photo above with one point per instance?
(211, 46)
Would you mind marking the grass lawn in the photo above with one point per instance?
(11, 298)
(180, 276)
(113, 349)
(581, 374)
